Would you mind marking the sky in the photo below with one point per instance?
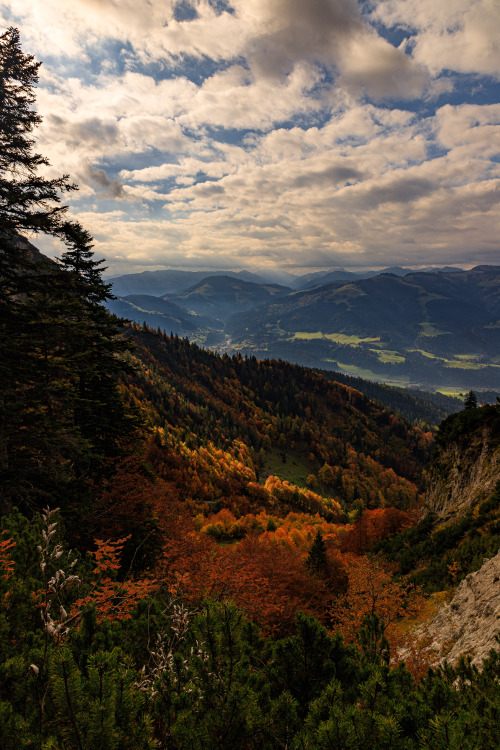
(299, 134)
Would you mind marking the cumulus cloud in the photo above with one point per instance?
(463, 35)
(98, 178)
(272, 37)
(331, 175)
(264, 132)
(91, 132)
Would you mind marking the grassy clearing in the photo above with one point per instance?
(295, 469)
(429, 329)
(448, 390)
(386, 355)
(342, 338)
(337, 338)
(429, 355)
(307, 336)
(459, 364)
(360, 372)
(459, 361)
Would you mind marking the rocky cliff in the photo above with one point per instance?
(464, 473)
(469, 624)
(466, 466)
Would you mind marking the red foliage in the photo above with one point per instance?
(114, 600)
(6, 563)
(373, 526)
(264, 576)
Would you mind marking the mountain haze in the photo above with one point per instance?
(158, 283)
(161, 313)
(222, 296)
(309, 281)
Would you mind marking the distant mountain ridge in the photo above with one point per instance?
(222, 296)
(424, 328)
(175, 281)
(320, 278)
(159, 283)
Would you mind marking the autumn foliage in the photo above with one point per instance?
(6, 563)
(112, 598)
(372, 590)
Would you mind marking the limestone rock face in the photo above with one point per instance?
(467, 626)
(463, 476)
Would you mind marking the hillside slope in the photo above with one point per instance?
(423, 327)
(160, 313)
(466, 468)
(460, 524)
(469, 625)
(223, 296)
(277, 420)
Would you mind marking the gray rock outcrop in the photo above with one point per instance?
(467, 626)
(463, 477)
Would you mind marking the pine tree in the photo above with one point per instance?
(60, 410)
(470, 401)
(316, 560)
(93, 342)
(28, 202)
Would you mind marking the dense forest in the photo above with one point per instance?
(201, 551)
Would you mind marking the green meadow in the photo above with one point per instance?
(337, 338)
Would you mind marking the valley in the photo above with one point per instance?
(433, 330)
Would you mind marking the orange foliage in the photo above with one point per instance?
(373, 526)
(372, 590)
(6, 564)
(263, 575)
(114, 600)
(295, 530)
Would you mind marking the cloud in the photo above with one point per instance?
(331, 175)
(273, 131)
(373, 65)
(272, 37)
(106, 186)
(398, 189)
(92, 132)
(288, 30)
(462, 36)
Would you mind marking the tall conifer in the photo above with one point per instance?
(59, 406)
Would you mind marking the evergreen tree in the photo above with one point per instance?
(60, 410)
(470, 401)
(93, 342)
(316, 559)
(28, 202)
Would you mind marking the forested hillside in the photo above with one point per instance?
(289, 419)
(424, 328)
(187, 539)
(460, 527)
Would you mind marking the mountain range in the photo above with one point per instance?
(222, 296)
(423, 328)
(158, 283)
(324, 277)
(174, 281)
